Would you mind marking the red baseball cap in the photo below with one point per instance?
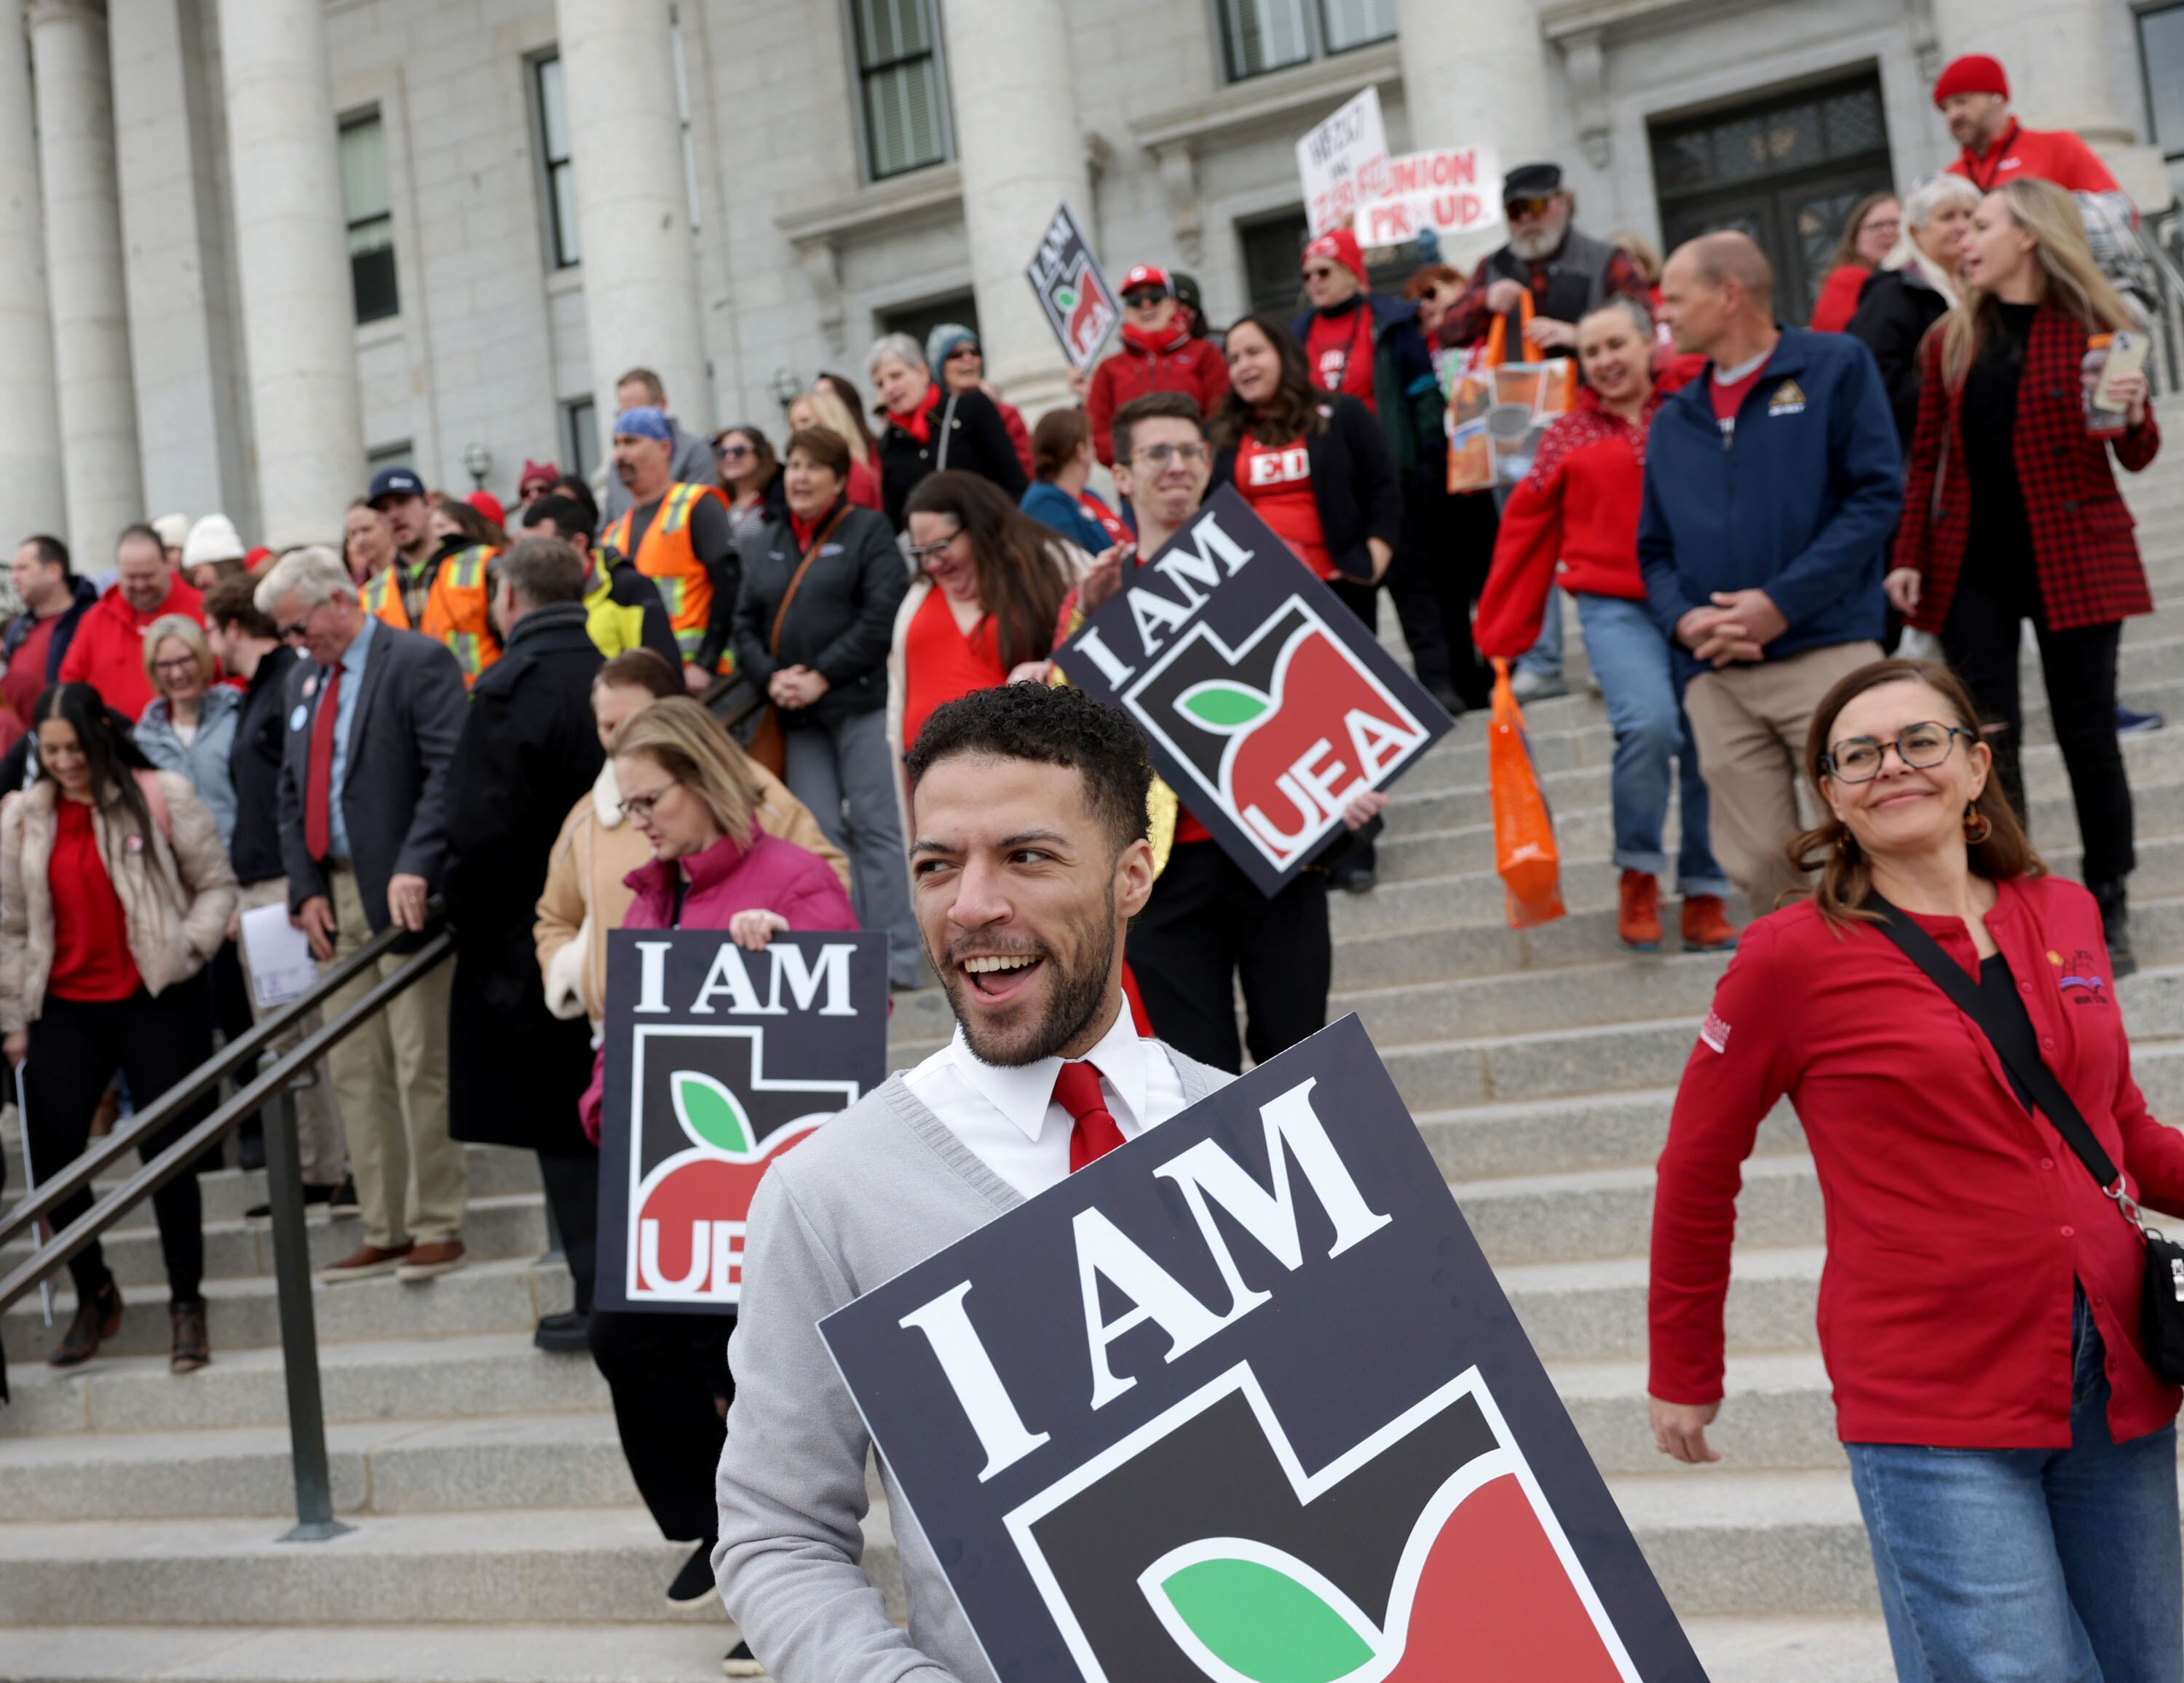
(1146, 275)
(1341, 245)
(1973, 73)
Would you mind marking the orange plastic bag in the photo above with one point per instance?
(1525, 856)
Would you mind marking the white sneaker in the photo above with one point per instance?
(1537, 686)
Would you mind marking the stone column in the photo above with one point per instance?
(191, 449)
(1013, 88)
(2056, 53)
(98, 396)
(1476, 76)
(640, 261)
(291, 261)
(30, 441)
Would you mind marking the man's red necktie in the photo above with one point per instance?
(1077, 1091)
(319, 772)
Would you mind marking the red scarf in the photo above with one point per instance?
(803, 530)
(1173, 337)
(918, 423)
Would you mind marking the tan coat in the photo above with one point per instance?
(176, 895)
(585, 894)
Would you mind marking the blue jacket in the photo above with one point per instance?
(1050, 505)
(1801, 501)
(204, 759)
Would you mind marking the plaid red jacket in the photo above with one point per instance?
(2083, 551)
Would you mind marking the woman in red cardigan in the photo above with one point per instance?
(2014, 1457)
(1577, 510)
(1868, 235)
(2028, 523)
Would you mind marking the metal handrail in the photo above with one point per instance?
(56, 1188)
(291, 1262)
(185, 1152)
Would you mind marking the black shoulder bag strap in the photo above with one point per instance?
(2162, 1307)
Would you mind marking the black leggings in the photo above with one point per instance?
(1980, 640)
(1440, 565)
(1206, 926)
(669, 1374)
(572, 1192)
(77, 1047)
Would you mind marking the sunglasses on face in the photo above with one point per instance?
(1142, 297)
(1319, 271)
(1532, 205)
(732, 452)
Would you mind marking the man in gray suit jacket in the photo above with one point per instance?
(1028, 859)
(373, 714)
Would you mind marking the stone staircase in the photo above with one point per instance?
(499, 1536)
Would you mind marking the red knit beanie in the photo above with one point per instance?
(1341, 245)
(1973, 73)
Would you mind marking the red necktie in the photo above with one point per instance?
(319, 772)
(1077, 1091)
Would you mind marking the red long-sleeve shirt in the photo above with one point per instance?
(1956, 1220)
(2054, 155)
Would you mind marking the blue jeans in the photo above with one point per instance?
(1630, 655)
(1543, 659)
(2043, 1565)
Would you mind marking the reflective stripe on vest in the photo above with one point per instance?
(382, 597)
(667, 559)
(455, 611)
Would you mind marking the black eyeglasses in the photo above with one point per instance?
(1857, 759)
(1142, 296)
(641, 805)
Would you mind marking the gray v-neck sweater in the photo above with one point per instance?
(879, 1189)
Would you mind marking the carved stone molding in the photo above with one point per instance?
(1586, 69)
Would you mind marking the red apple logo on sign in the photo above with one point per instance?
(1296, 755)
(1483, 1592)
(692, 1209)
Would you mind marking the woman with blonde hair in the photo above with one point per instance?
(689, 791)
(821, 409)
(189, 725)
(2011, 510)
(2013, 1448)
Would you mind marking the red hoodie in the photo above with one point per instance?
(1195, 366)
(1578, 505)
(109, 650)
(2054, 155)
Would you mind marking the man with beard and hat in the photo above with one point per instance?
(1029, 860)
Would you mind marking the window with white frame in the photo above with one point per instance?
(368, 207)
(901, 90)
(1259, 36)
(564, 248)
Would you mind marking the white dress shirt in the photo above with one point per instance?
(1008, 1116)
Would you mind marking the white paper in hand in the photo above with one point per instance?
(279, 955)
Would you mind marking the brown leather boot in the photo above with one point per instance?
(192, 1350)
(97, 1318)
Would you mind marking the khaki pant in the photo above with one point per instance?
(1750, 723)
(391, 1080)
(319, 1150)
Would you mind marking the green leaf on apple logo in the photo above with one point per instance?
(1259, 1622)
(710, 1113)
(1223, 706)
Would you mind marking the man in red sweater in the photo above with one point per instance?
(108, 653)
(1972, 95)
(1158, 354)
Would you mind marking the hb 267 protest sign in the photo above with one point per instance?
(1266, 703)
(718, 1061)
(1242, 1401)
(1080, 305)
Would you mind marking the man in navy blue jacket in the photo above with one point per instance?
(1773, 483)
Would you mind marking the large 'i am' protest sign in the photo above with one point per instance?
(718, 1061)
(1242, 1401)
(1266, 703)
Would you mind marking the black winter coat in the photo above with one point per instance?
(843, 618)
(1895, 309)
(1353, 482)
(529, 752)
(978, 443)
(254, 766)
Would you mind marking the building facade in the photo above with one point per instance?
(262, 246)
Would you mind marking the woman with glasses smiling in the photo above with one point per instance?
(2013, 1453)
(750, 475)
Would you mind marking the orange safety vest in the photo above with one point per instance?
(454, 607)
(667, 559)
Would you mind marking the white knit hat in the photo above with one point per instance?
(213, 538)
(173, 529)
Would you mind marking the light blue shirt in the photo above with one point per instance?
(352, 685)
